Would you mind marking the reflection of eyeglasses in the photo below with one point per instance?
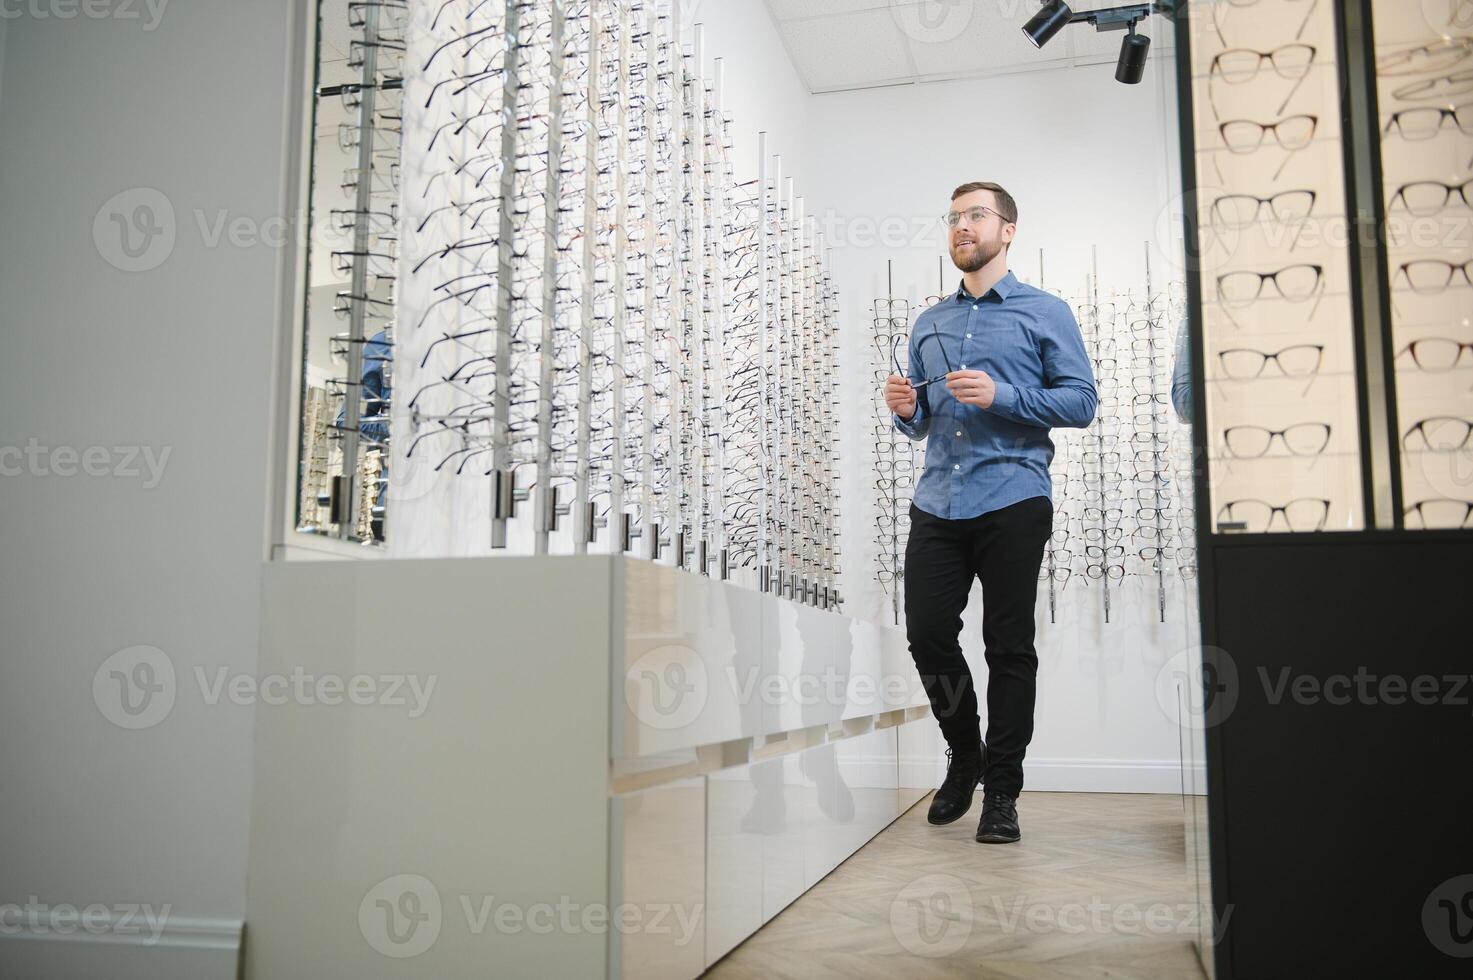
(973, 215)
(1300, 514)
(1459, 15)
(1427, 197)
(1436, 353)
(1254, 441)
(1439, 55)
(1241, 363)
(1455, 83)
(1246, 136)
(1242, 210)
(1441, 512)
(1439, 434)
(1294, 283)
(1423, 123)
(1434, 275)
(1237, 65)
(1217, 7)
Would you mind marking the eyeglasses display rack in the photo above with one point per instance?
(1424, 94)
(344, 445)
(1279, 343)
(632, 348)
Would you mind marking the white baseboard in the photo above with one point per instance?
(187, 949)
(1093, 775)
(1107, 776)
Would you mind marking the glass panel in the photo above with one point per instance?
(1424, 68)
(351, 262)
(1281, 406)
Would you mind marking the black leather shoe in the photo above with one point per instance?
(999, 824)
(954, 798)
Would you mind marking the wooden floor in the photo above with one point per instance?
(1096, 888)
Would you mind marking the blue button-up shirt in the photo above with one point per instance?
(980, 460)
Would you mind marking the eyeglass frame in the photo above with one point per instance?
(948, 223)
(895, 358)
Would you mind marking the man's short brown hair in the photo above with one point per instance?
(1006, 206)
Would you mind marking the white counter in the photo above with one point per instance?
(476, 765)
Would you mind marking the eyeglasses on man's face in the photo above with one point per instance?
(974, 215)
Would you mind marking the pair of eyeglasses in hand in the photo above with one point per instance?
(895, 359)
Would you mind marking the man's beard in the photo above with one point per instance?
(981, 254)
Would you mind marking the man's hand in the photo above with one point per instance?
(972, 387)
(900, 397)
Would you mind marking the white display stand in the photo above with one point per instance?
(585, 766)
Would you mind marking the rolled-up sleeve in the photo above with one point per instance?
(1067, 398)
(1181, 374)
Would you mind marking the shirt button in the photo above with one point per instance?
(957, 466)
(969, 336)
(964, 367)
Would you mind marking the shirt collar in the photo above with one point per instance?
(1004, 288)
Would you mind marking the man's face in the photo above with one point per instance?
(974, 244)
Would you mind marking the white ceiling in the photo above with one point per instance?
(845, 44)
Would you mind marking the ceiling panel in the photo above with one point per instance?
(838, 44)
(845, 50)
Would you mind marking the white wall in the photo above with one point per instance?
(174, 359)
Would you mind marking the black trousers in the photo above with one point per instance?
(1004, 548)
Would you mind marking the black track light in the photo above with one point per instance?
(1042, 26)
(1132, 64)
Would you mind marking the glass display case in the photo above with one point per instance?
(1278, 319)
(1332, 146)
(1424, 98)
